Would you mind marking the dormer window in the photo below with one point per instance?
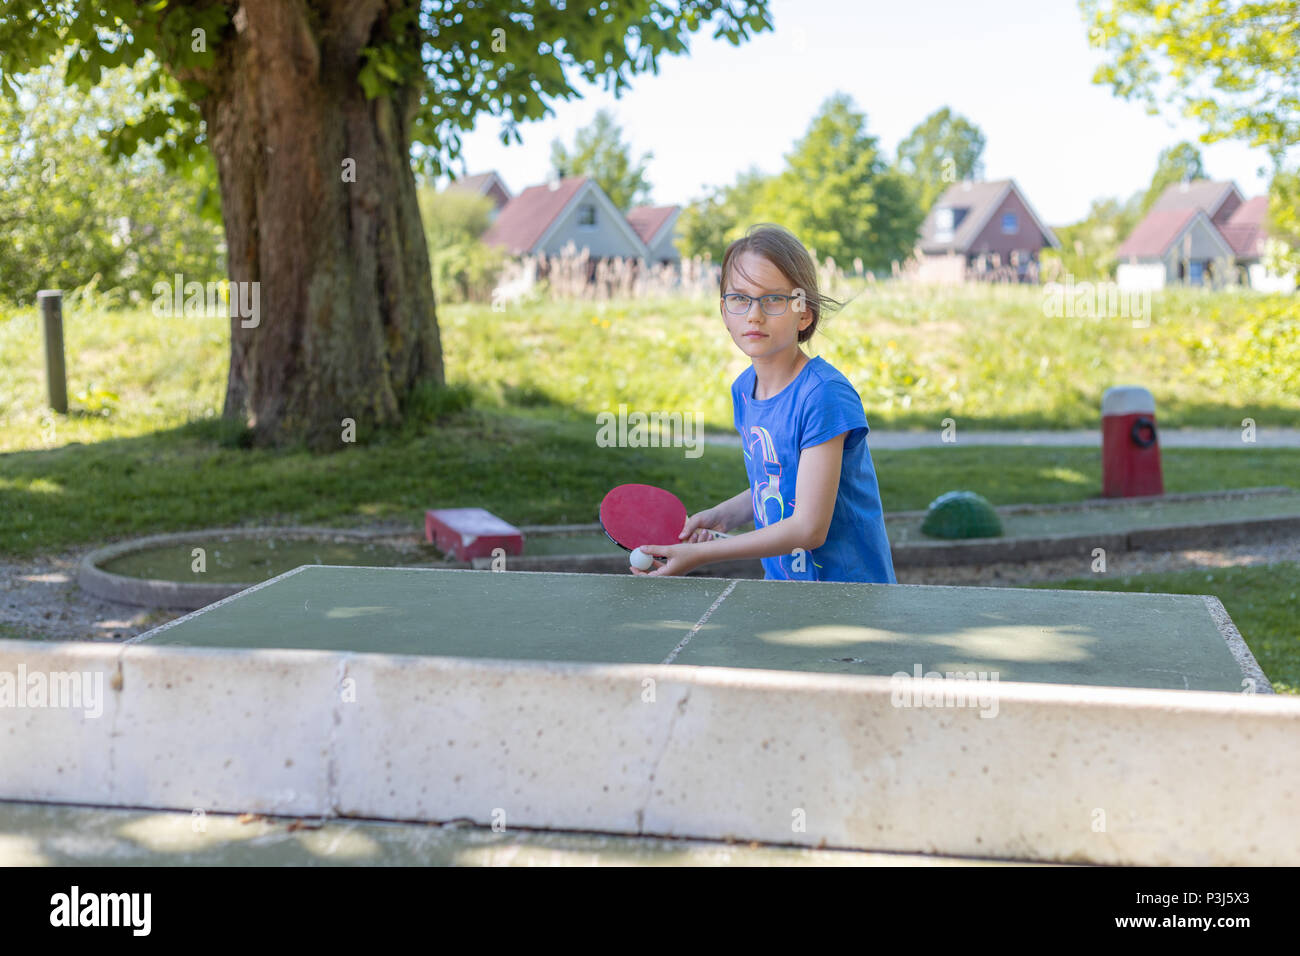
(1010, 224)
(587, 215)
(943, 225)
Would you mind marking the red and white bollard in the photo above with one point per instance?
(1130, 451)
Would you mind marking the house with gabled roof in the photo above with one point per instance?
(1218, 200)
(485, 184)
(655, 225)
(543, 219)
(976, 228)
(1200, 233)
(1246, 231)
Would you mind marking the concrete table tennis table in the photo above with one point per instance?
(1023, 724)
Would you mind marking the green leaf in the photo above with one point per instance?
(370, 81)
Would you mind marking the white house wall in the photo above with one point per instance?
(1140, 276)
(1265, 281)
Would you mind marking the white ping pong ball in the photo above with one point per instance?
(640, 560)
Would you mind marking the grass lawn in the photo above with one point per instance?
(987, 357)
(1263, 601)
(143, 450)
(529, 465)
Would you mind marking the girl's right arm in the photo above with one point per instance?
(731, 513)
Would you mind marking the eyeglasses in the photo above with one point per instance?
(738, 303)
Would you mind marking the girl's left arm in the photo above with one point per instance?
(815, 492)
(817, 487)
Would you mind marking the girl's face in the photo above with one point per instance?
(756, 333)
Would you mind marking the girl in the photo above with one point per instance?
(813, 495)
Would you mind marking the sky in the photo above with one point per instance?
(1019, 69)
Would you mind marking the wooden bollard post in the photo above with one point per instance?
(56, 381)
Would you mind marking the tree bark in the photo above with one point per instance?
(347, 324)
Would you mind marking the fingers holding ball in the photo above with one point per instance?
(640, 560)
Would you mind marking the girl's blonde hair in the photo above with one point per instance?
(779, 246)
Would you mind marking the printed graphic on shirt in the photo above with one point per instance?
(768, 504)
(768, 500)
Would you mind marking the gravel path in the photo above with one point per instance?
(40, 600)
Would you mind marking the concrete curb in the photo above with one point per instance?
(938, 553)
(1119, 504)
(191, 596)
(179, 595)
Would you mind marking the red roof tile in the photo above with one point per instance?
(648, 220)
(1154, 234)
(523, 220)
(1201, 194)
(1244, 230)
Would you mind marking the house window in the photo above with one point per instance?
(1010, 224)
(943, 225)
(587, 215)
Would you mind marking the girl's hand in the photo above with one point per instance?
(679, 559)
(699, 526)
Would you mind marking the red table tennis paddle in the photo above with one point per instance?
(633, 515)
(636, 515)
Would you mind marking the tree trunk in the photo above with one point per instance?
(347, 326)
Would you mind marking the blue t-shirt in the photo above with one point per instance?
(818, 405)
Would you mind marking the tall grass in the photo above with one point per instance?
(986, 356)
(129, 372)
(574, 275)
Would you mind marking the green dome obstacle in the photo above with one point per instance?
(961, 514)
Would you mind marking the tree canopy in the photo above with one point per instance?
(836, 193)
(943, 149)
(1233, 66)
(69, 213)
(466, 58)
(1178, 163)
(709, 224)
(600, 153)
(839, 195)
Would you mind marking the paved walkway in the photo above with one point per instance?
(1169, 438)
(47, 834)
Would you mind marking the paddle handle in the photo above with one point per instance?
(716, 534)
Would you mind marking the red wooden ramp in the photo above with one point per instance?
(470, 533)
